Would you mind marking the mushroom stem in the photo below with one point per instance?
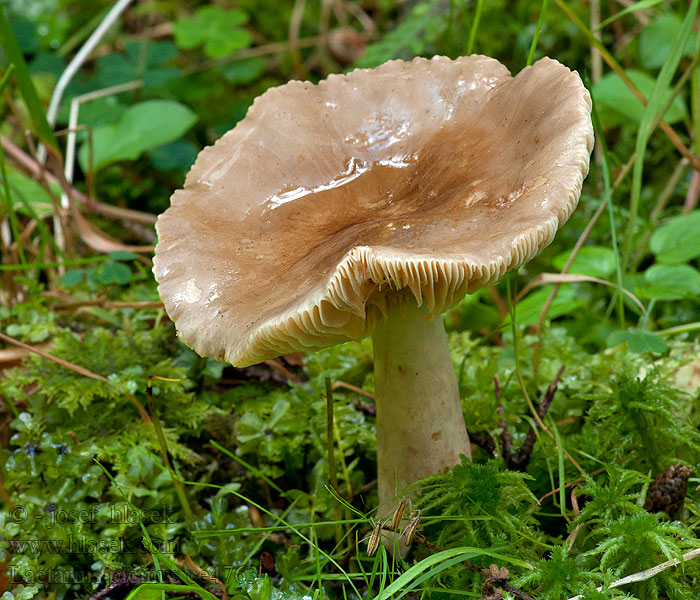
(420, 425)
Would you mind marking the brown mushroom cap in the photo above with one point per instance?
(421, 180)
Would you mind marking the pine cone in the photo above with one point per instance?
(667, 492)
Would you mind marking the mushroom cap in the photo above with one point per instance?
(416, 181)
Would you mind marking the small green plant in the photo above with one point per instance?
(219, 31)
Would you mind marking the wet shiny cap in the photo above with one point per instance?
(328, 204)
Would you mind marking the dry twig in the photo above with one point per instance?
(75, 368)
(519, 460)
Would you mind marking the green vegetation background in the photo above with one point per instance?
(160, 466)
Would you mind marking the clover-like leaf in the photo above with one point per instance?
(216, 29)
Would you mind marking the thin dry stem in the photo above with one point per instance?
(640, 14)
(568, 485)
(278, 367)
(574, 505)
(33, 168)
(205, 575)
(648, 573)
(691, 199)
(541, 425)
(353, 388)
(75, 368)
(294, 29)
(617, 69)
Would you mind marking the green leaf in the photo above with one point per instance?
(47, 63)
(214, 28)
(26, 35)
(143, 126)
(154, 591)
(113, 272)
(422, 26)
(528, 309)
(641, 342)
(149, 591)
(670, 282)
(612, 93)
(175, 156)
(101, 112)
(21, 592)
(150, 53)
(243, 72)
(594, 261)
(677, 240)
(142, 59)
(653, 108)
(219, 46)
(73, 277)
(28, 193)
(123, 255)
(187, 34)
(656, 40)
(13, 55)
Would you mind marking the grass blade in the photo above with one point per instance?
(11, 214)
(641, 5)
(436, 563)
(248, 466)
(611, 216)
(560, 465)
(475, 26)
(655, 102)
(13, 55)
(619, 71)
(144, 590)
(538, 29)
(182, 496)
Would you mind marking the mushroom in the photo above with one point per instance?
(369, 204)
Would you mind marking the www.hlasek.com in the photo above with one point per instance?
(81, 544)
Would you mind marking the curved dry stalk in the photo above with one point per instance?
(559, 278)
(75, 368)
(671, 134)
(648, 573)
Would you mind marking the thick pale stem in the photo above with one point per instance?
(420, 426)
